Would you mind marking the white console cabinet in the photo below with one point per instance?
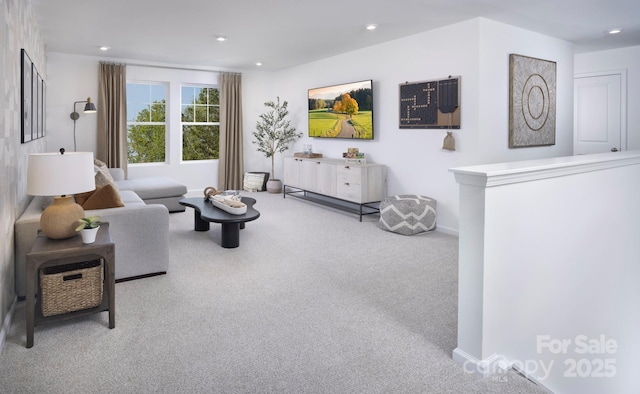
(361, 184)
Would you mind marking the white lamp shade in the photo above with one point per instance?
(55, 174)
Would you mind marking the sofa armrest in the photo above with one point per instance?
(117, 174)
(139, 231)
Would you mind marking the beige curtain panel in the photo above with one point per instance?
(230, 167)
(112, 115)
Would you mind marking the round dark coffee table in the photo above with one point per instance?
(205, 212)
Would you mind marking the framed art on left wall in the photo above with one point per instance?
(26, 91)
(32, 105)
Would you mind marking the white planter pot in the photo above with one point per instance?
(274, 186)
(89, 235)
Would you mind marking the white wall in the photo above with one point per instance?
(74, 78)
(477, 50)
(71, 78)
(623, 58)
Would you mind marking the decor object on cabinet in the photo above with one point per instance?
(308, 155)
(342, 111)
(273, 135)
(433, 104)
(532, 102)
(89, 108)
(62, 175)
(32, 104)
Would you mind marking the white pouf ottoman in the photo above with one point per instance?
(407, 214)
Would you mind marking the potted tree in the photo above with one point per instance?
(273, 135)
(88, 228)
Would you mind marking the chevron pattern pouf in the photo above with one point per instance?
(407, 214)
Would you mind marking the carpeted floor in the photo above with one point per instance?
(313, 301)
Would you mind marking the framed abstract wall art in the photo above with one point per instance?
(532, 102)
(433, 104)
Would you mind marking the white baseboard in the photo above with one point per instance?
(448, 230)
(490, 365)
(7, 323)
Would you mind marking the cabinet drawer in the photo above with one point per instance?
(350, 175)
(349, 192)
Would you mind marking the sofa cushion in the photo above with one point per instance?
(103, 197)
(130, 198)
(153, 187)
(103, 176)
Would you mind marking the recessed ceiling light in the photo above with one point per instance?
(221, 38)
(104, 48)
(615, 31)
(258, 64)
(372, 26)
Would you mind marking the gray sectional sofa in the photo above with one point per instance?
(153, 189)
(140, 229)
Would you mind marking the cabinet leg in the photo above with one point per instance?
(31, 303)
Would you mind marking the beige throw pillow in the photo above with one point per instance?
(103, 197)
(103, 176)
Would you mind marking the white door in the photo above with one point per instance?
(599, 115)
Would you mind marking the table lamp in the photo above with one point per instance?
(60, 174)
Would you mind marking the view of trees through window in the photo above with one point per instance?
(147, 122)
(200, 118)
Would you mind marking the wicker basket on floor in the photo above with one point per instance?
(71, 287)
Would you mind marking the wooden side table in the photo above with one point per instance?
(49, 253)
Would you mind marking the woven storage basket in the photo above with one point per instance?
(71, 287)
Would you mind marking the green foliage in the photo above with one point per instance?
(363, 123)
(147, 142)
(200, 142)
(274, 132)
(323, 123)
(88, 223)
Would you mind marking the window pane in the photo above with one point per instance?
(197, 96)
(214, 113)
(187, 113)
(139, 113)
(157, 111)
(158, 93)
(200, 142)
(146, 143)
(187, 95)
(201, 113)
(146, 103)
(141, 97)
(214, 97)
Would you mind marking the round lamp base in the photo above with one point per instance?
(60, 219)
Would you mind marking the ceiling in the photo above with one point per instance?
(285, 33)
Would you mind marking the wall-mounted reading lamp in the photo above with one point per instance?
(89, 108)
